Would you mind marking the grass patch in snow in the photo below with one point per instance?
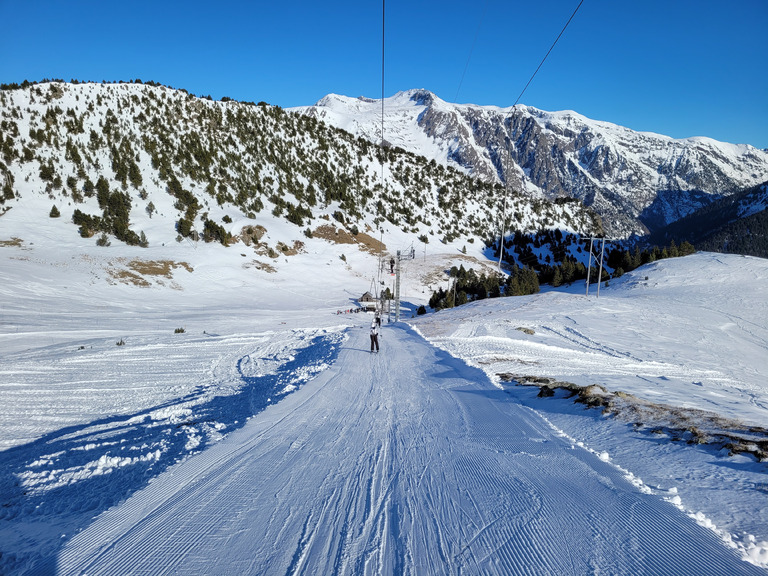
(260, 266)
(364, 241)
(370, 244)
(136, 271)
(297, 248)
(330, 233)
(251, 235)
(13, 242)
(687, 425)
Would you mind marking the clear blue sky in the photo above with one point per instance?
(676, 67)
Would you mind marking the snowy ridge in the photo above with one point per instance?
(620, 172)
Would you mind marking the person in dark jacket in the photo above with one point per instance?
(374, 336)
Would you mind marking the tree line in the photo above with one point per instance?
(469, 286)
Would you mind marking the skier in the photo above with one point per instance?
(374, 336)
(391, 265)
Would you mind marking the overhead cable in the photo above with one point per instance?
(547, 54)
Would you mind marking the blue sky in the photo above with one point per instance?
(676, 67)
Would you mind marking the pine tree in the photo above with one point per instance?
(557, 277)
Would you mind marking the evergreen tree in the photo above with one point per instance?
(184, 227)
(134, 175)
(557, 277)
(102, 192)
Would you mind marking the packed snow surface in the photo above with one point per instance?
(266, 438)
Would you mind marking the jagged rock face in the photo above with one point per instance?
(636, 181)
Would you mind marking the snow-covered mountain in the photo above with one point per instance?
(148, 164)
(635, 180)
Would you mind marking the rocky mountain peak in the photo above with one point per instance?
(636, 181)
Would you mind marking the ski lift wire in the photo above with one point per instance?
(506, 162)
(381, 148)
(548, 52)
(471, 50)
(383, 21)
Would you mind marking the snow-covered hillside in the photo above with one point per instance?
(635, 180)
(146, 164)
(171, 448)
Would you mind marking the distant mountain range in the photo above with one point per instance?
(638, 182)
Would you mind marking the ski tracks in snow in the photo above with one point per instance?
(402, 462)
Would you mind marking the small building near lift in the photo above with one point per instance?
(368, 302)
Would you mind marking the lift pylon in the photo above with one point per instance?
(410, 254)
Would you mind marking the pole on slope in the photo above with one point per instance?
(397, 287)
(600, 267)
(503, 221)
(409, 255)
(589, 262)
(600, 273)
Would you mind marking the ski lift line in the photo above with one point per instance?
(506, 160)
(547, 54)
(383, 29)
(471, 50)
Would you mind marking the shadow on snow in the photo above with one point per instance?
(80, 471)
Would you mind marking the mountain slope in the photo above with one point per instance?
(636, 181)
(148, 164)
(88, 428)
(737, 224)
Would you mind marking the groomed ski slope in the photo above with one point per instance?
(405, 462)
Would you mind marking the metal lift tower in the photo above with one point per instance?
(409, 255)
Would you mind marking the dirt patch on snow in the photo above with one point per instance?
(250, 235)
(297, 248)
(13, 242)
(330, 233)
(258, 265)
(136, 272)
(364, 241)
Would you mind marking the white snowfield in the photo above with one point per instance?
(267, 439)
(403, 462)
